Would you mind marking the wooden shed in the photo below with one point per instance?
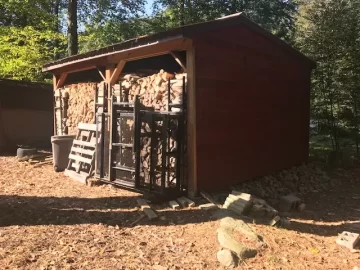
(26, 114)
(243, 112)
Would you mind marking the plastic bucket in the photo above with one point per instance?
(61, 146)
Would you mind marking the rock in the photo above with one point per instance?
(227, 258)
(174, 205)
(275, 221)
(226, 240)
(239, 203)
(240, 226)
(348, 239)
(242, 195)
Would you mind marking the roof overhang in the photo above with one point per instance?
(114, 54)
(159, 43)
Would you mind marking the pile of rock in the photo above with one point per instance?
(243, 203)
(301, 180)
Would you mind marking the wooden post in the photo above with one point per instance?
(54, 103)
(191, 122)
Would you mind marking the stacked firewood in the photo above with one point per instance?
(77, 105)
(152, 90)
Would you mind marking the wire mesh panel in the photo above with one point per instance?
(160, 149)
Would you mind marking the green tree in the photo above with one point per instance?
(23, 51)
(277, 16)
(328, 31)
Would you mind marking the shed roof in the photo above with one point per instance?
(187, 31)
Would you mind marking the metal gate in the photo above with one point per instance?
(147, 148)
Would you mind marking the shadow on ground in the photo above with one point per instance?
(123, 211)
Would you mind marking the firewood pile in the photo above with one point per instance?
(145, 158)
(152, 90)
(77, 105)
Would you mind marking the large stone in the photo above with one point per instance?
(227, 258)
(240, 226)
(226, 240)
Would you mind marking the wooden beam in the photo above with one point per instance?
(54, 104)
(54, 82)
(117, 72)
(191, 120)
(108, 72)
(178, 60)
(127, 55)
(61, 80)
(75, 68)
(154, 50)
(101, 74)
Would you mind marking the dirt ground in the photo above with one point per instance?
(48, 221)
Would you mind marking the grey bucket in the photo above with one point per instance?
(61, 147)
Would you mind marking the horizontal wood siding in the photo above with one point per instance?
(252, 107)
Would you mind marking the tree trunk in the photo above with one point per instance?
(72, 28)
(181, 12)
(56, 28)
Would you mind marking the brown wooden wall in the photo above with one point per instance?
(252, 107)
(26, 115)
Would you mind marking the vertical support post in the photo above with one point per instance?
(152, 148)
(180, 158)
(96, 101)
(112, 136)
(164, 152)
(54, 110)
(137, 141)
(191, 122)
(168, 131)
(102, 144)
(61, 114)
(168, 95)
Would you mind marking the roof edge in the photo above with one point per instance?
(186, 31)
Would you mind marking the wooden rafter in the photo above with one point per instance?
(117, 72)
(178, 59)
(101, 74)
(61, 80)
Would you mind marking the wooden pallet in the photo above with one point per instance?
(82, 154)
